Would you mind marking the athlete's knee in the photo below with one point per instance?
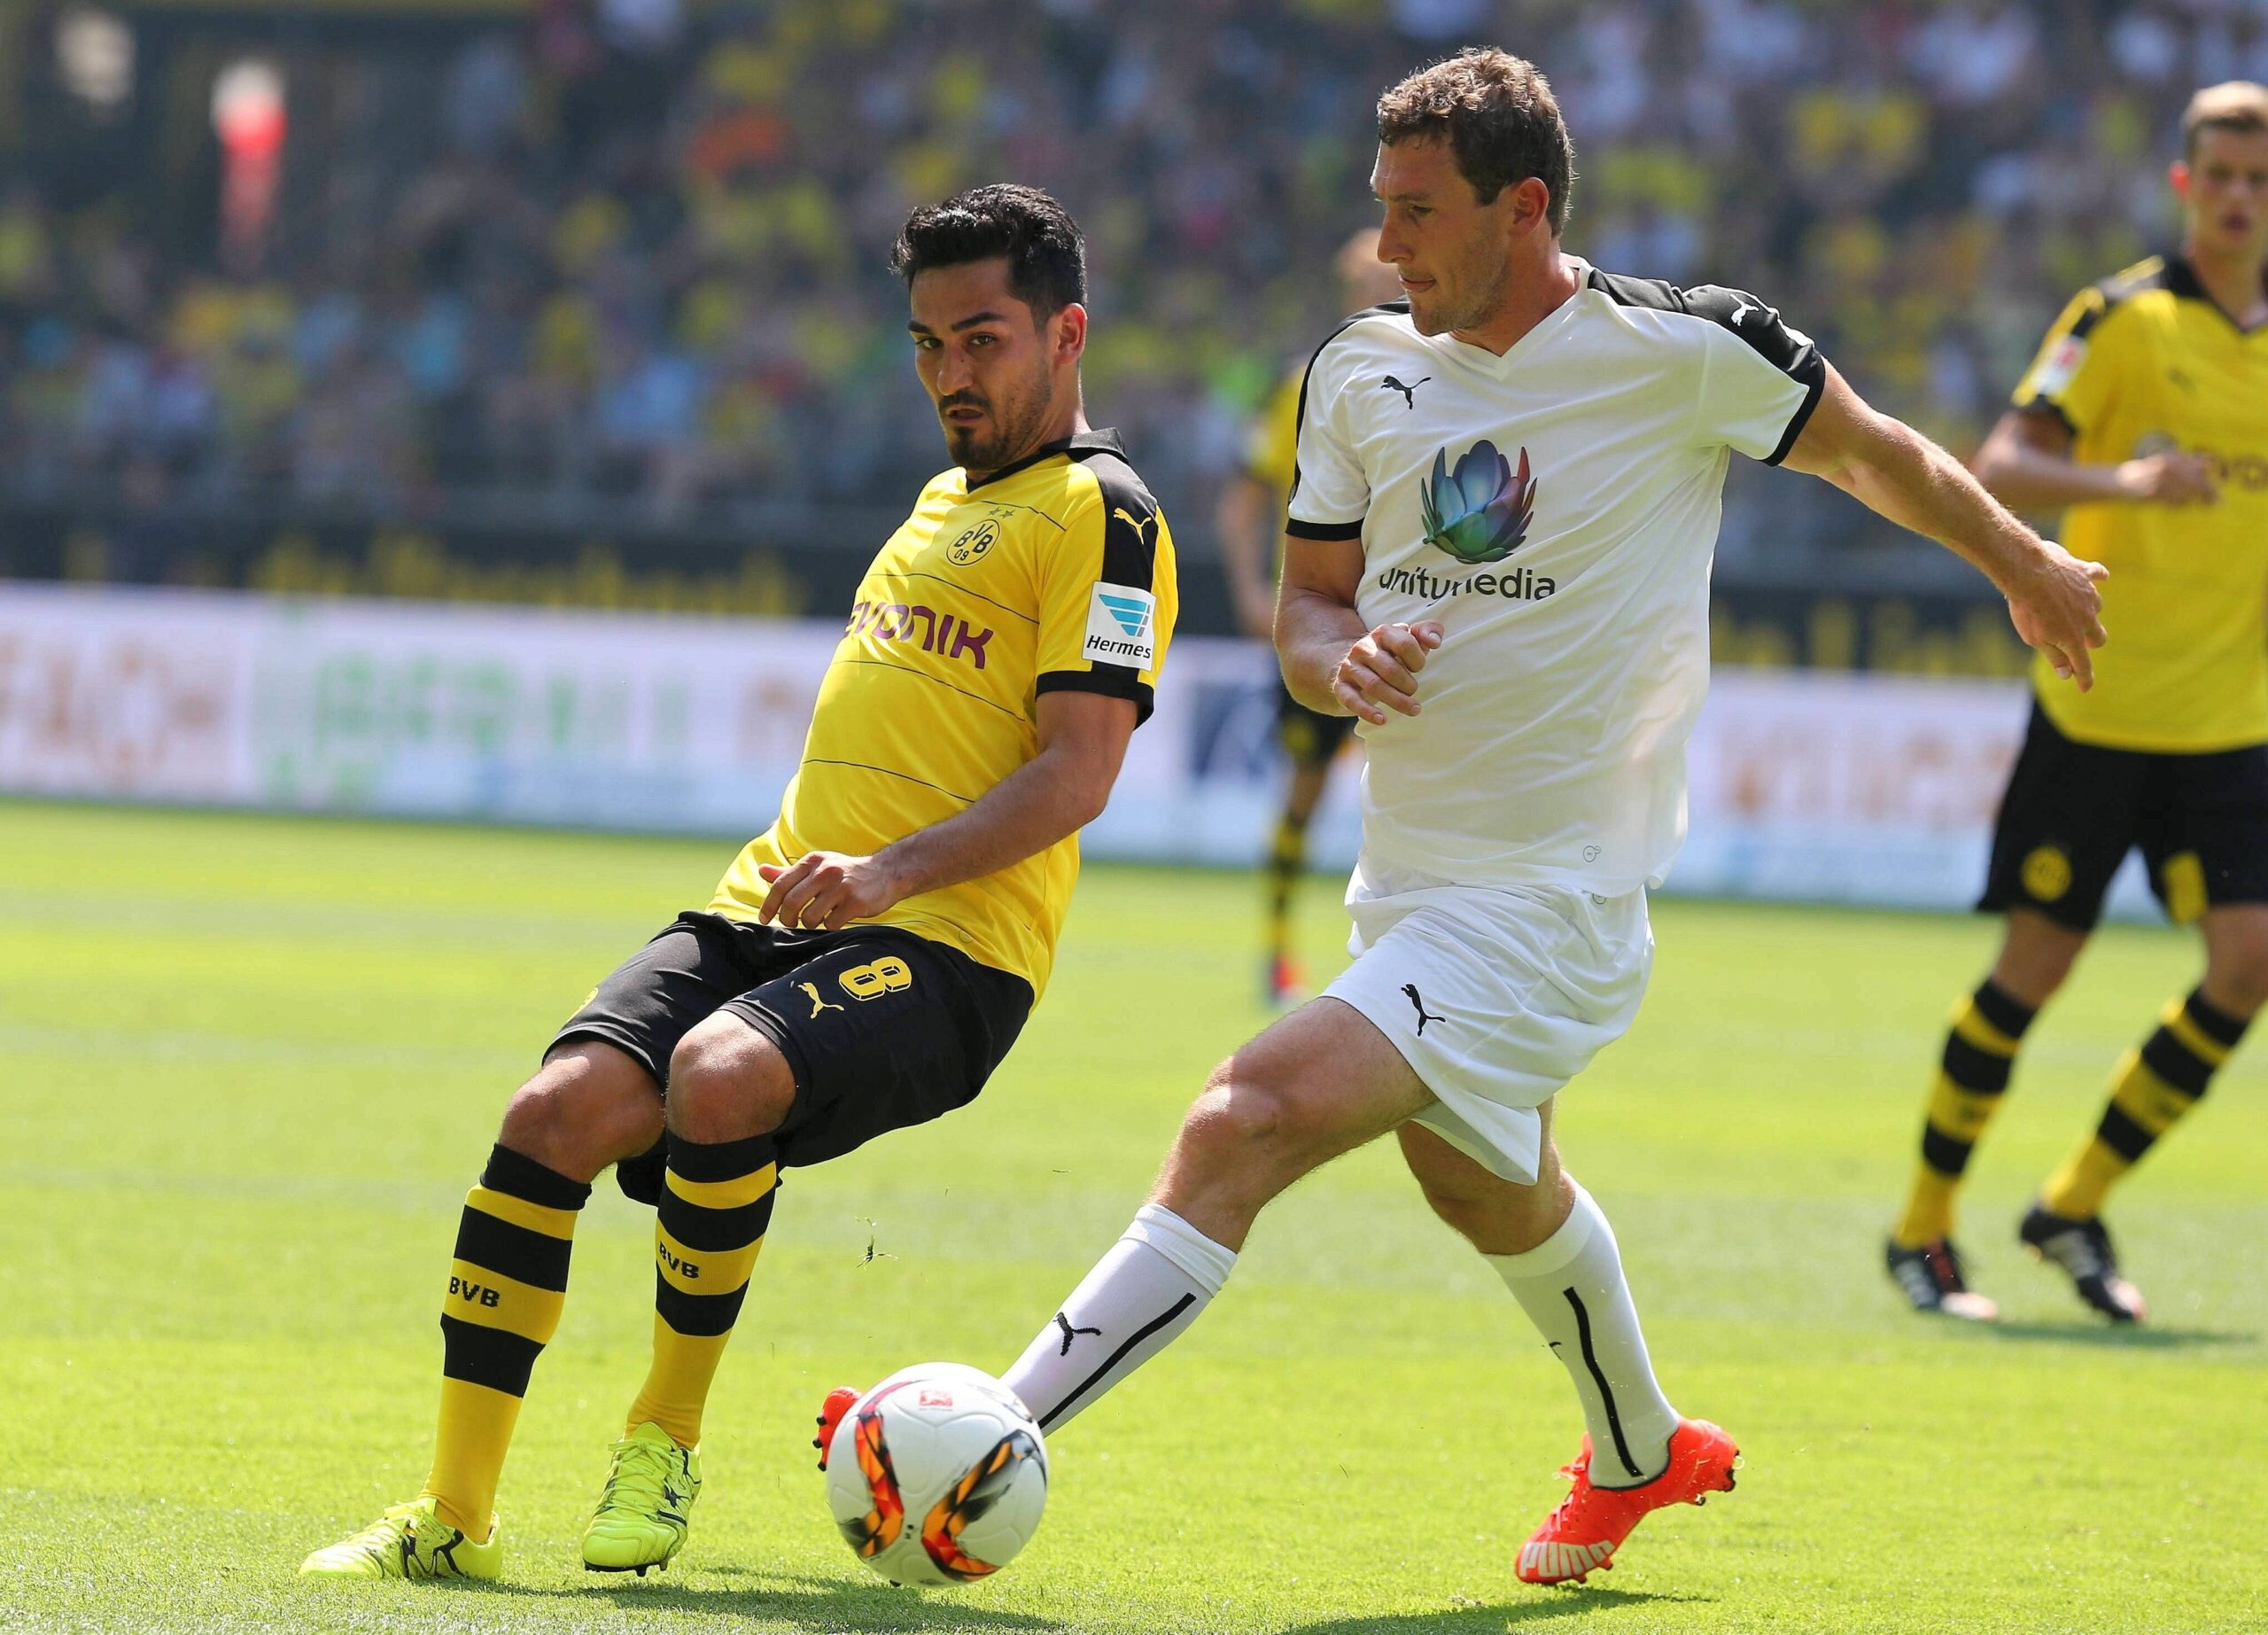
(1232, 1156)
(2241, 988)
(1305, 793)
(2036, 957)
(588, 1106)
(1231, 1132)
(1456, 1192)
(1235, 1115)
(1496, 1216)
(2236, 968)
(1256, 1121)
(727, 1082)
(1461, 1202)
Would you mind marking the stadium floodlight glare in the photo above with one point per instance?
(248, 116)
(94, 52)
(248, 102)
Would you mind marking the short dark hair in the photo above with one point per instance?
(1497, 113)
(1046, 252)
(2239, 105)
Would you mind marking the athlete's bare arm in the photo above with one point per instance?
(2026, 463)
(1062, 789)
(1245, 520)
(1902, 475)
(1332, 662)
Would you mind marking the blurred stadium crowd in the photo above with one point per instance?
(626, 249)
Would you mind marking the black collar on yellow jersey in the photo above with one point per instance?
(2180, 281)
(1104, 440)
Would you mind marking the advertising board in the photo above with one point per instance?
(1805, 784)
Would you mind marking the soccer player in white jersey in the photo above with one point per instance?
(1497, 560)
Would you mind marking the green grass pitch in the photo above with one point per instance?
(248, 1067)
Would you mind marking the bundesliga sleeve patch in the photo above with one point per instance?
(1121, 627)
(2059, 367)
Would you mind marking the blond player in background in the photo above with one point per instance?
(1250, 522)
(2146, 419)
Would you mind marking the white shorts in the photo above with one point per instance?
(1496, 996)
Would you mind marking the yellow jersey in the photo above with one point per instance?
(2145, 364)
(1272, 446)
(1055, 572)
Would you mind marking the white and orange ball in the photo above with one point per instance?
(937, 1475)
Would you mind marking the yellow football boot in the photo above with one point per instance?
(645, 1511)
(410, 1541)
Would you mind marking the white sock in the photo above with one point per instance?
(1135, 1302)
(1571, 1286)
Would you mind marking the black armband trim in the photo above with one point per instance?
(1111, 680)
(2048, 407)
(1812, 372)
(1328, 531)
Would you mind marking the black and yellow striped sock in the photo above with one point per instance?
(1980, 1049)
(2154, 1087)
(716, 1203)
(507, 1284)
(1287, 860)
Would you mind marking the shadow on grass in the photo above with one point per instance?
(821, 1604)
(811, 1603)
(1571, 1602)
(2114, 1336)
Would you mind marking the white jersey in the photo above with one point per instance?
(1556, 509)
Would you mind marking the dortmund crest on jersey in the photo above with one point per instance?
(973, 542)
(1479, 512)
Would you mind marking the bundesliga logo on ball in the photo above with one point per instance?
(937, 1475)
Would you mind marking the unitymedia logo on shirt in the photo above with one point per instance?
(1475, 513)
(1517, 586)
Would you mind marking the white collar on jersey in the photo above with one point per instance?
(1503, 363)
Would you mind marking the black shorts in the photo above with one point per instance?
(1308, 736)
(882, 1028)
(2072, 810)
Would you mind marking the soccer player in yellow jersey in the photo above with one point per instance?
(867, 960)
(1250, 520)
(2146, 416)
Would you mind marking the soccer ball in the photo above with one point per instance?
(937, 1475)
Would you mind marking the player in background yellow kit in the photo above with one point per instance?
(1250, 522)
(2146, 419)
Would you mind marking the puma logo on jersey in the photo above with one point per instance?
(1140, 525)
(817, 1004)
(1424, 1015)
(1408, 393)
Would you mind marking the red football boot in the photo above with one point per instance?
(1591, 1523)
(830, 1414)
